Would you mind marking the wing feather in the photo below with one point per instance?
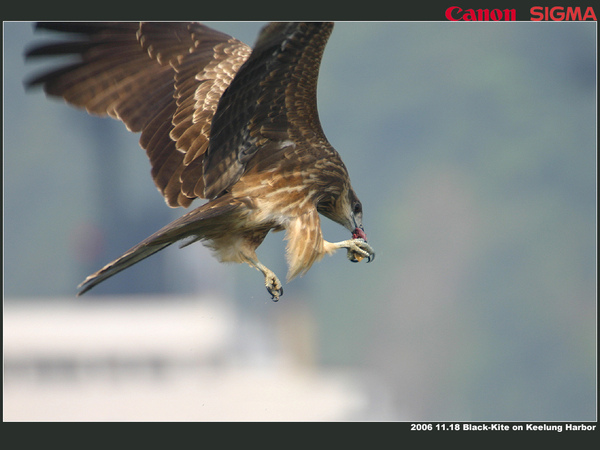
(202, 100)
(273, 96)
(152, 77)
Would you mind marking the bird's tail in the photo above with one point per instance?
(192, 225)
(129, 258)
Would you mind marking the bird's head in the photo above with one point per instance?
(348, 212)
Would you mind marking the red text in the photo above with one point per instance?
(455, 13)
(560, 13)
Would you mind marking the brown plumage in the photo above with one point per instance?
(223, 122)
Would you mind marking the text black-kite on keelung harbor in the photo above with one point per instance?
(223, 122)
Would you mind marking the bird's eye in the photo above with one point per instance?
(357, 208)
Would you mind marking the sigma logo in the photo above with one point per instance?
(560, 13)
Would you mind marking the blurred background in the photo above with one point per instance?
(473, 149)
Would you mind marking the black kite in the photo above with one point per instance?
(223, 122)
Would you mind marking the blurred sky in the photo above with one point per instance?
(473, 149)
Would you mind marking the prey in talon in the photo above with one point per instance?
(353, 255)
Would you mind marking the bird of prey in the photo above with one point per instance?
(219, 121)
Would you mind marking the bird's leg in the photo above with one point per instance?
(357, 249)
(272, 283)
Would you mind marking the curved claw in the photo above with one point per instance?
(275, 293)
(359, 250)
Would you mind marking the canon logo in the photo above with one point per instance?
(456, 13)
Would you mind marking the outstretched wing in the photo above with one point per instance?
(270, 104)
(203, 115)
(161, 79)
